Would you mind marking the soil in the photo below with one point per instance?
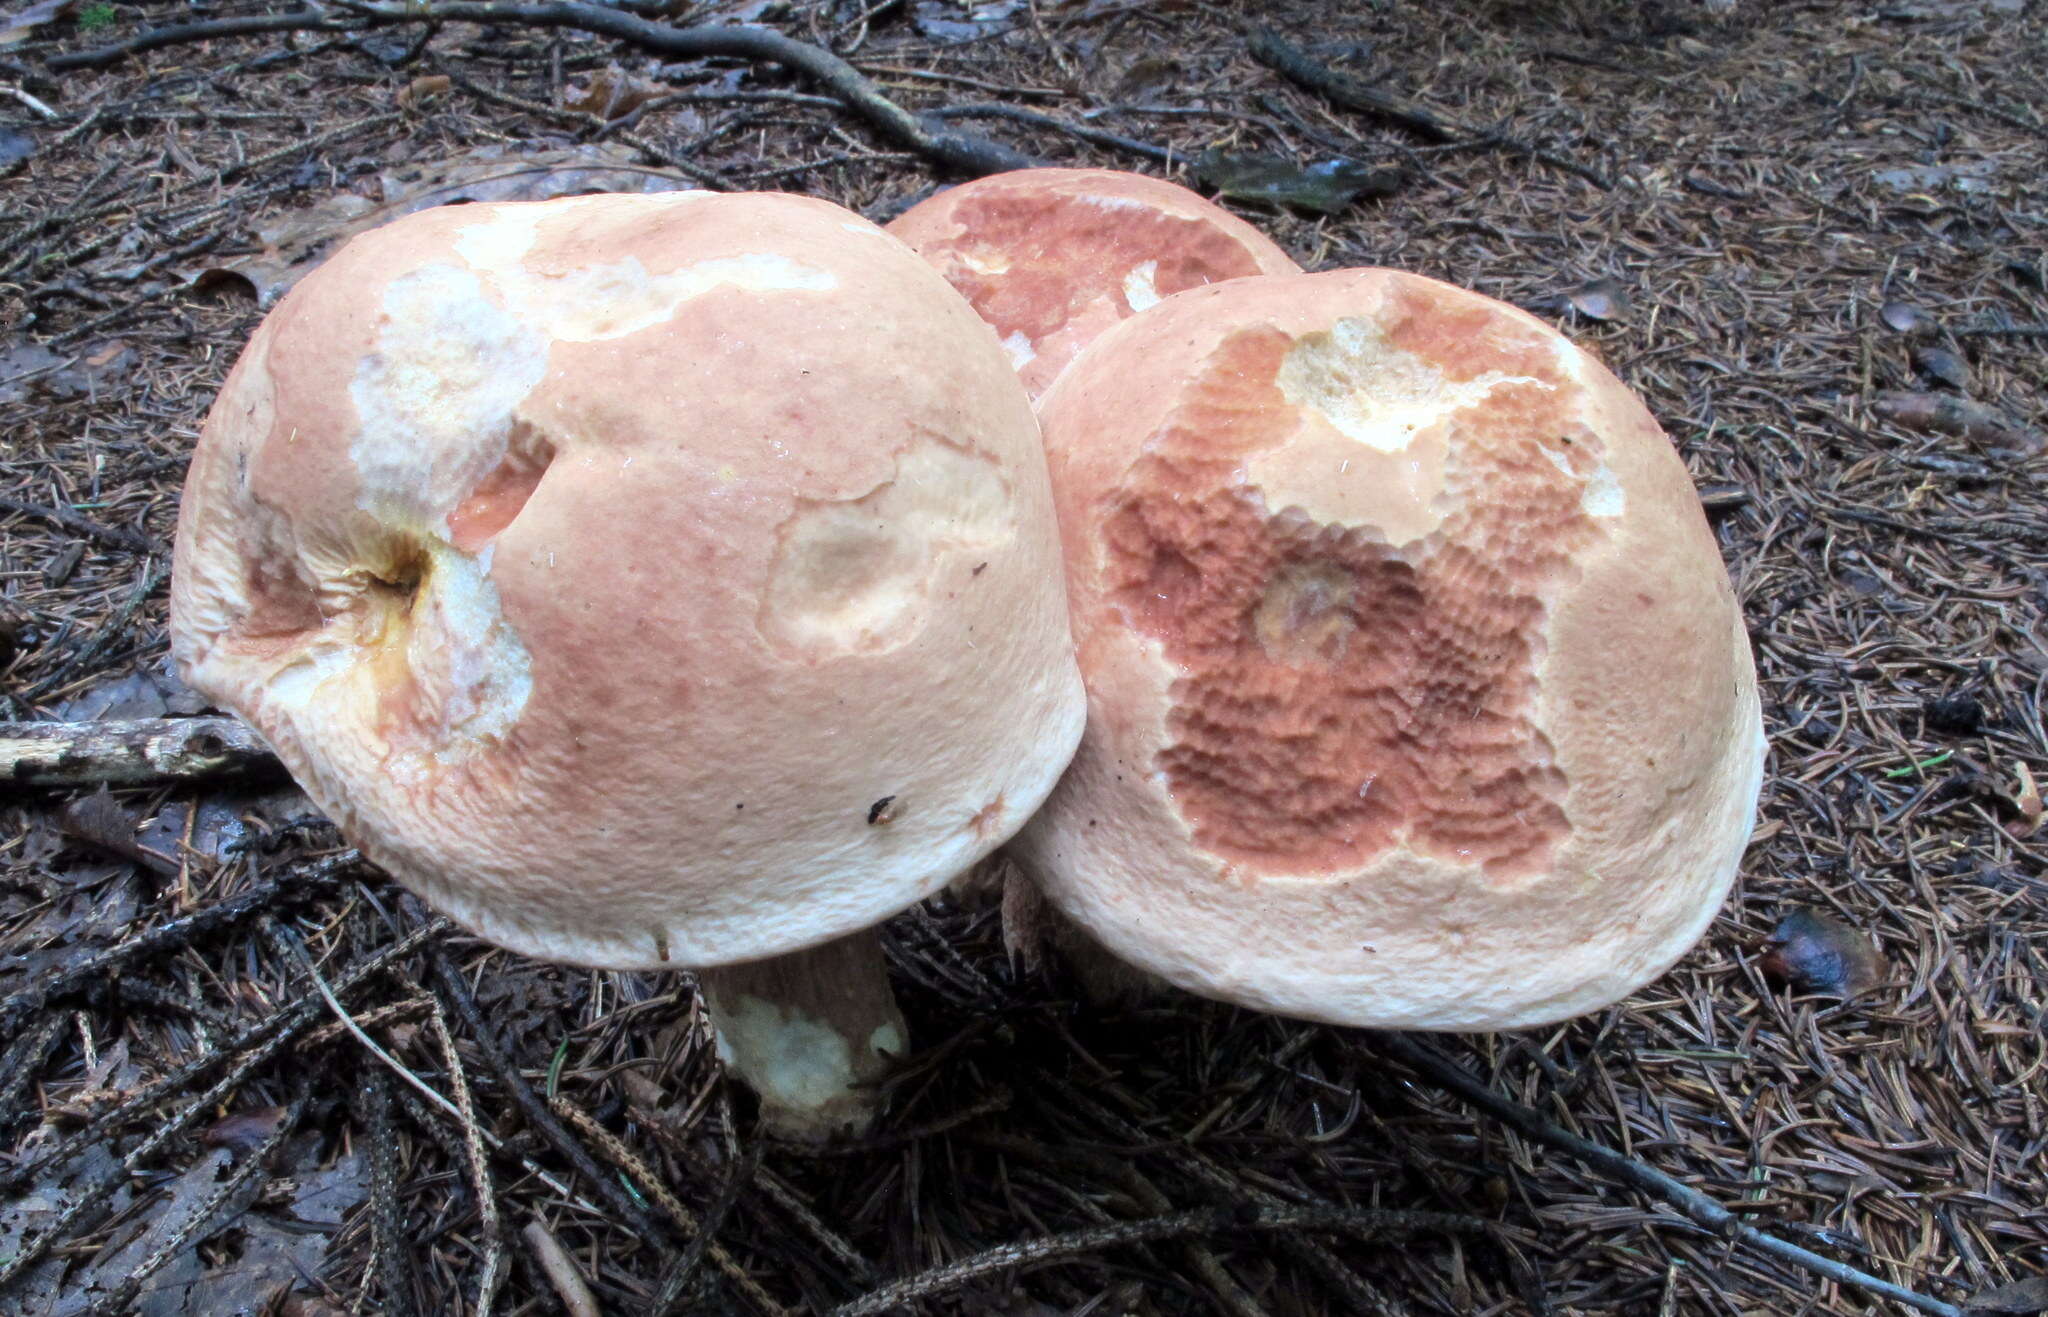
(1799, 230)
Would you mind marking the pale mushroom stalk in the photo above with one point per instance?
(811, 1032)
(650, 583)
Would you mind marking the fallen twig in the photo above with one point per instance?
(1341, 89)
(134, 541)
(1176, 1225)
(155, 38)
(957, 151)
(560, 1269)
(1694, 1205)
(1079, 132)
(130, 752)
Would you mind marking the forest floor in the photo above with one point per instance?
(1814, 236)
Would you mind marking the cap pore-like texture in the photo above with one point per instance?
(1418, 693)
(1052, 257)
(599, 564)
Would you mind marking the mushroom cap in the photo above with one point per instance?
(1418, 694)
(600, 564)
(1053, 257)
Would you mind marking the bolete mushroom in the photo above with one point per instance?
(1418, 694)
(1052, 257)
(648, 581)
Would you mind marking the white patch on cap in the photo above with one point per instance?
(295, 686)
(851, 576)
(434, 399)
(1021, 351)
(464, 655)
(1373, 392)
(593, 303)
(599, 302)
(985, 261)
(1603, 496)
(1141, 289)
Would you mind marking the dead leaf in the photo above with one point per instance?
(1943, 367)
(612, 93)
(2027, 800)
(2022, 1296)
(941, 22)
(244, 1131)
(1145, 79)
(17, 26)
(34, 1211)
(1813, 952)
(100, 821)
(187, 1200)
(1942, 413)
(423, 89)
(1903, 317)
(22, 363)
(325, 1197)
(1601, 299)
(296, 242)
(1971, 177)
(1325, 188)
(15, 147)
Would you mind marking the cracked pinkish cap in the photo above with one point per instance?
(603, 565)
(1053, 257)
(1418, 694)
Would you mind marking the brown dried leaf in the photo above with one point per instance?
(1145, 79)
(100, 821)
(1941, 413)
(423, 89)
(612, 93)
(1812, 952)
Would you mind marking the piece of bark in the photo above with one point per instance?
(130, 752)
(1941, 413)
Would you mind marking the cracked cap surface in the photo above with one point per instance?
(1419, 696)
(598, 564)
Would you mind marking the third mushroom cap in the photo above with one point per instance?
(1418, 695)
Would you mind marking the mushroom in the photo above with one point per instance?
(649, 582)
(1053, 257)
(1418, 694)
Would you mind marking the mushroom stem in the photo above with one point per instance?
(810, 1032)
(1033, 926)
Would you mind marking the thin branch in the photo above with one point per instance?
(1694, 1205)
(1351, 93)
(130, 752)
(1177, 1225)
(119, 537)
(1093, 136)
(956, 151)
